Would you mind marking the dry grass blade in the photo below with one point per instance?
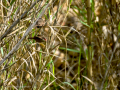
(49, 84)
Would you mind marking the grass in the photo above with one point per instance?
(60, 63)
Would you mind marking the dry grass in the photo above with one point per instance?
(60, 63)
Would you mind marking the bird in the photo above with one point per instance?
(38, 38)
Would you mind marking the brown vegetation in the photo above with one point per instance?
(46, 44)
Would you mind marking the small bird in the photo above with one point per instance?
(38, 38)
